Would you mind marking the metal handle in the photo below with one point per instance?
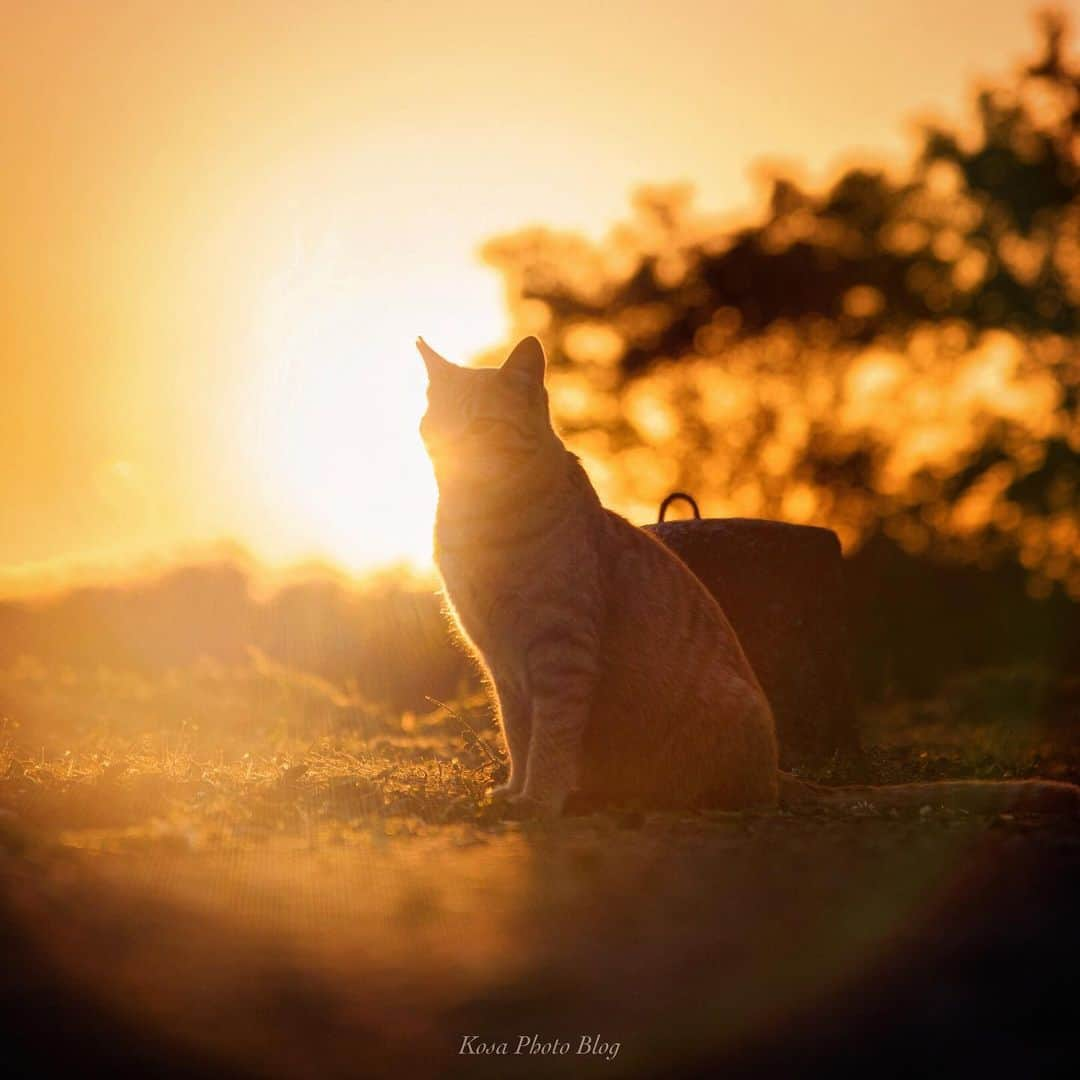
(674, 497)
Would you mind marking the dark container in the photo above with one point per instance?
(782, 587)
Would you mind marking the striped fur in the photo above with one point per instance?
(617, 675)
(616, 672)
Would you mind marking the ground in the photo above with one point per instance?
(243, 872)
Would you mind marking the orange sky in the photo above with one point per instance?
(224, 224)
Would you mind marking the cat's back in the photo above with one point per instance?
(677, 707)
(653, 596)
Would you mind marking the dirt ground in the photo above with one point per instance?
(278, 889)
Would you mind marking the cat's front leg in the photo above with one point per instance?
(562, 675)
(516, 722)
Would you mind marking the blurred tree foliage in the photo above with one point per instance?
(897, 356)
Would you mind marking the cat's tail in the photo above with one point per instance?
(974, 796)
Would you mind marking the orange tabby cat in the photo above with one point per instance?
(617, 673)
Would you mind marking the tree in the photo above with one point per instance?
(892, 355)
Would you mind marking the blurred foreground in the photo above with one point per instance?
(227, 872)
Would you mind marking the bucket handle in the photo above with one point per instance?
(674, 497)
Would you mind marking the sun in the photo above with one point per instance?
(335, 399)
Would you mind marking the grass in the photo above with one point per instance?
(220, 755)
(253, 869)
(213, 755)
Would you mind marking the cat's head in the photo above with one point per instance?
(484, 424)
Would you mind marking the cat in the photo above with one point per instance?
(616, 674)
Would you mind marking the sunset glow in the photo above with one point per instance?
(225, 227)
(542, 531)
(331, 409)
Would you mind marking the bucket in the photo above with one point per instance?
(782, 588)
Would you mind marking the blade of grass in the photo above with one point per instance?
(468, 727)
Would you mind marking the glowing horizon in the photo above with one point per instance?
(225, 229)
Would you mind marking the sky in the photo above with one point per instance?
(224, 224)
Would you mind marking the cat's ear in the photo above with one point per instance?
(436, 365)
(527, 362)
